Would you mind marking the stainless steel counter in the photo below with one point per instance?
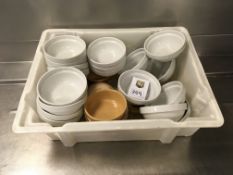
(209, 151)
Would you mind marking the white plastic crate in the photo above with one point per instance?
(205, 110)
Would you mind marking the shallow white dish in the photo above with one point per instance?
(173, 111)
(110, 71)
(172, 92)
(165, 45)
(82, 66)
(57, 122)
(65, 49)
(106, 51)
(54, 64)
(162, 70)
(162, 108)
(86, 70)
(172, 115)
(126, 78)
(50, 116)
(136, 60)
(62, 109)
(62, 86)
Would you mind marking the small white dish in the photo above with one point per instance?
(164, 45)
(106, 51)
(162, 108)
(62, 110)
(110, 71)
(77, 66)
(50, 116)
(83, 68)
(57, 123)
(162, 70)
(54, 64)
(42, 114)
(172, 92)
(65, 49)
(173, 112)
(173, 115)
(126, 78)
(136, 60)
(62, 86)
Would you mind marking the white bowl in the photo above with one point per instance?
(165, 45)
(106, 73)
(136, 60)
(173, 115)
(110, 71)
(42, 114)
(57, 123)
(51, 116)
(84, 69)
(174, 111)
(62, 110)
(77, 66)
(62, 86)
(162, 70)
(172, 92)
(126, 78)
(54, 64)
(162, 108)
(106, 51)
(65, 49)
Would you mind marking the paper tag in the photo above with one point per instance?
(138, 88)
